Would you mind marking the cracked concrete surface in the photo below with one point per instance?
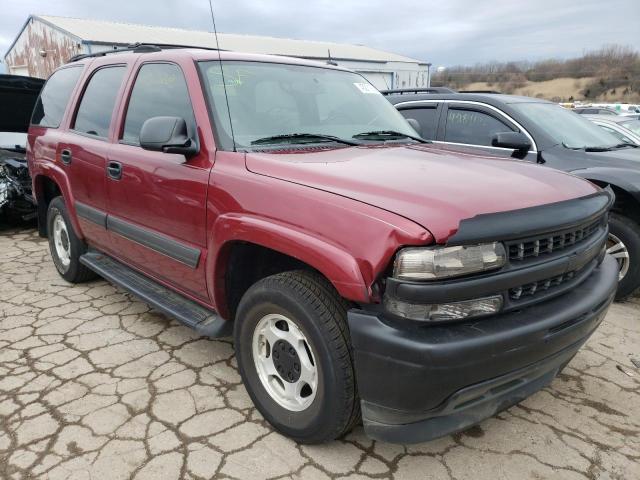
(96, 385)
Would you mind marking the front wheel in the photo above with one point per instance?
(295, 357)
(623, 244)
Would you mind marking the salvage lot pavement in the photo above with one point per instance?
(93, 384)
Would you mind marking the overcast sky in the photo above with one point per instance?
(444, 32)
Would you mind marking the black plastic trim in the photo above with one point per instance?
(527, 222)
(408, 373)
(203, 320)
(497, 282)
(482, 401)
(91, 214)
(180, 252)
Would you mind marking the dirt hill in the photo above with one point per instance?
(611, 74)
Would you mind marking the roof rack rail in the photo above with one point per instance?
(481, 91)
(135, 48)
(402, 91)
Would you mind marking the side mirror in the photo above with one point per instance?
(515, 140)
(415, 124)
(169, 135)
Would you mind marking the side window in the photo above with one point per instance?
(472, 127)
(97, 103)
(159, 90)
(54, 97)
(427, 117)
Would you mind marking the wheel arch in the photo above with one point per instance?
(47, 186)
(258, 248)
(626, 203)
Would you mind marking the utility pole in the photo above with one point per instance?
(429, 75)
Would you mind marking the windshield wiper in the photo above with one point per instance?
(388, 135)
(626, 144)
(608, 149)
(311, 137)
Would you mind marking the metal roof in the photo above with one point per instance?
(110, 33)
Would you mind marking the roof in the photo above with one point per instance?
(116, 33)
(156, 53)
(490, 98)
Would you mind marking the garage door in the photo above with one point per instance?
(380, 80)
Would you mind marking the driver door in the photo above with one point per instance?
(464, 125)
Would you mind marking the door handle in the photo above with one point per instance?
(65, 156)
(114, 170)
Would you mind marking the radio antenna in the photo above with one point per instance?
(224, 83)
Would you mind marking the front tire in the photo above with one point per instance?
(294, 355)
(624, 245)
(64, 245)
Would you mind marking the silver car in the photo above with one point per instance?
(624, 128)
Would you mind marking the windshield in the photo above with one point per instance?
(11, 139)
(271, 100)
(565, 127)
(633, 125)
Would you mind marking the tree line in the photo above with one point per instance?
(614, 70)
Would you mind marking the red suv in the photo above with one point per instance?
(365, 273)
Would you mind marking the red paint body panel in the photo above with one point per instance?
(343, 211)
(433, 187)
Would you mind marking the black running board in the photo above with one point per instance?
(187, 312)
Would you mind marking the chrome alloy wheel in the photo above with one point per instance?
(284, 362)
(617, 249)
(61, 241)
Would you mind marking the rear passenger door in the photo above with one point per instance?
(157, 200)
(83, 151)
(470, 124)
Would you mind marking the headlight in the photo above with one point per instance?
(445, 262)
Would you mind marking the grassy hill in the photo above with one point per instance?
(611, 74)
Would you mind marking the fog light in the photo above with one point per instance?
(443, 312)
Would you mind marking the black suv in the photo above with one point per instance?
(539, 131)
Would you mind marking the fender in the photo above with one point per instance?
(333, 262)
(55, 173)
(626, 179)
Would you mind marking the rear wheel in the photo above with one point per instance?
(66, 248)
(623, 244)
(294, 355)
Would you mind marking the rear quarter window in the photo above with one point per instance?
(54, 97)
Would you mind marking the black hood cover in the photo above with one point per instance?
(18, 96)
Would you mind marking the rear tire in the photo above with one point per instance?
(64, 245)
(624, 239)
(295, 358)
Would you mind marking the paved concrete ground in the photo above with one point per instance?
(95, 385)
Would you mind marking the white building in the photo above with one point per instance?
(45, 42)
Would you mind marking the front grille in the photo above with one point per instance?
(531, 248)
(530, 289)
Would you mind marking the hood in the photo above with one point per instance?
(621, 158)
(18, 96)
(432, 187)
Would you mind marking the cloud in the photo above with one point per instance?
(443, 32)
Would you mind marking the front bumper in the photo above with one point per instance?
(417, 383)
